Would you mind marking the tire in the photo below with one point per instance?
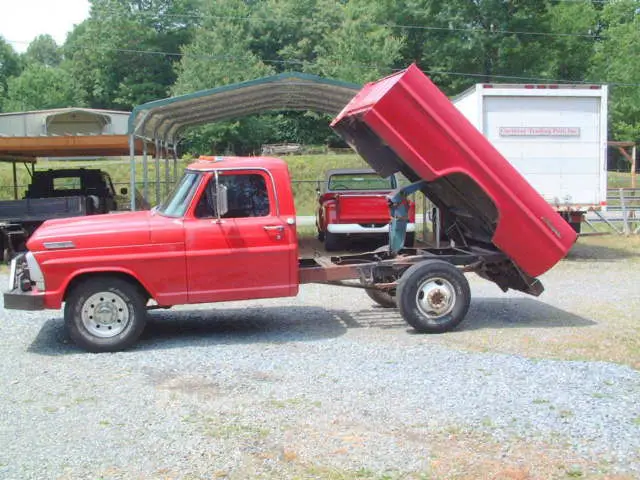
(433, 296)
(576, 226)
(410, 240)
(321, 236)
(384, 299)
(121, 309)
(332, 242)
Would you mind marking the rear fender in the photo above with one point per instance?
(330, 213)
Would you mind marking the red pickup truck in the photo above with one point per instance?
(228, 230)
(353, 203)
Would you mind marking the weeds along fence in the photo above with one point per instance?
(621, 216)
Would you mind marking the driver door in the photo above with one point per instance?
(245, 253)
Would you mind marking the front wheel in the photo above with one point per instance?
(105, 314)
(433, 296)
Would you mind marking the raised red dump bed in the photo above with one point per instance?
(404, 123)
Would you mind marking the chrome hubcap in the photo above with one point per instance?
(435, 298)
(105, 314)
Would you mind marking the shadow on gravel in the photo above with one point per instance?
(485, 313)
(171, 329)
(202, 327)
(220, 326)
(52, 339)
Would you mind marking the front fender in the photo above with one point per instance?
(54, 298)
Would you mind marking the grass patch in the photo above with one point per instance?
(606, 247)
(620, 180)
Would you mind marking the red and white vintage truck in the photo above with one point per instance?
(353, 204)
(228, 231)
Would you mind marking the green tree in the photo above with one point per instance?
(9, 66)
(287, 33)
(41, 87)
(220, 52)
(570, 52)
(124, 54)
(361, 48)
(459, 43)
(617, 61)
(44, 50)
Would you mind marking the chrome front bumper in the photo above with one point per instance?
(19, 300)
(21, 294)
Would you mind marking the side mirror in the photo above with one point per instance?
(222, 201)
(124, 191)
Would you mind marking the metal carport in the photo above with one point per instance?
(162, 123)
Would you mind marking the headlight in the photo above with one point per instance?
(35, 274)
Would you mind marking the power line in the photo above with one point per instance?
(369, 67)
(489, 31)
(358, 66)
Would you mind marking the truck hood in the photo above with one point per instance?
(95, 231)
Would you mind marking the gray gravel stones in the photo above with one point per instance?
(293, 387)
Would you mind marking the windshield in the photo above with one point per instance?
(178, 201)
(361, 181)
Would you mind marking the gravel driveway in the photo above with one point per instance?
(328, 386)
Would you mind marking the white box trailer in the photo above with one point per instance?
(554, 135)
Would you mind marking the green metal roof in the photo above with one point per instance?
(165, 119)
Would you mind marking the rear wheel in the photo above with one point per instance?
(433, 296)
(105, 314)
(333, 241)
(384, 299)
(410, 240)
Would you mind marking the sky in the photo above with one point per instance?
(23, 20)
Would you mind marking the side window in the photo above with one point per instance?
(66, 183)
(247, 196)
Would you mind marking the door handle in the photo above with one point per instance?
(274, 227)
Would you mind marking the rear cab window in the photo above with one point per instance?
(360, 181)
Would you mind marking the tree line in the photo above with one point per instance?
(129, 52)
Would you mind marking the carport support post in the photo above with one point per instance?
(633, 167)
(166, 169)
(132, 179)
(145, 168)
(15, 182)
(157, 159)
(175, 164)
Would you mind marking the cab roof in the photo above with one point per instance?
(207, 163)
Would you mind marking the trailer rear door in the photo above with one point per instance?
(553, 141)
